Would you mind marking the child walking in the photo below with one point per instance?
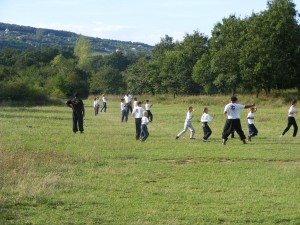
(148, 109)
(205, 118)
(251, 128)
(124, 110)
(137, 112)
(188, 124)
(144, 128)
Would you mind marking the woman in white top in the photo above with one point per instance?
(291, 120)
(205, 118)
(188, 124)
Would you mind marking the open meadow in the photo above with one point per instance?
(51, 176)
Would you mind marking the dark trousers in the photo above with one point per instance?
(233, 125)
(144, 132)
(252, 130)
(124, 115)
(291, 121)
(77, 120)
(150, 116)
(138, 122)
(103, 107)
(207, 131)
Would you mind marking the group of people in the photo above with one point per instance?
(233, 122)
(96, 104)
(143, 117)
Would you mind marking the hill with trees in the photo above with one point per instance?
(259, 53)
(25, 37)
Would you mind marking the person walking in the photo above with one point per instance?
(144, 128)
(78, 112)
(96, 105)
(104, 99)
(233, 122)
(251, 127)
(188, 124)
(205, 119)
(137, 112)
(291, 120)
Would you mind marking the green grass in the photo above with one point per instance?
(104, 176)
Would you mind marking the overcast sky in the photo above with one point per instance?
(145, 21)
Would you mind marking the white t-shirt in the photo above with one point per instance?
(123, 106)
(206, 117)
(293, 111)
(148, 106)
(250, 118)
(137, 112)
(104, 99)
(127, 98)
(145, 120)
(189, 116)
(233, 110)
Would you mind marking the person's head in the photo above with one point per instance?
(122, 100)
(76, 95)
(147, 100)
(95, 99)
(234, 99)
(205, 110)
(294, 101)
(145, 113)
(135, 98)
(253, 109)
(190, 109)
(139, 103)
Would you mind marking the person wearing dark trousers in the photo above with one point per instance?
(104, 99)
(233, 122)
(144, 128)
(205, 118)
(291, 120)
(148, 109)
(251, 127)
(78, 112)
(137, 112)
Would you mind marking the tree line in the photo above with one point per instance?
(258, 53)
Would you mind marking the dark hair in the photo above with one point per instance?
(294, 101)
(234, 99)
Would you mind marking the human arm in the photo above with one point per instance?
(249, 106)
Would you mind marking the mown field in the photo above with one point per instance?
(48, 175)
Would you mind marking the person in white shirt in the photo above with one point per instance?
(104, 99)
(251, 127)
(128, 98)
(205, 118)
(124, 111)
(188, 124)
(137, 112)
(291, 120)
(144, 128)
(233, 123)
(96, 105)
(148, 109)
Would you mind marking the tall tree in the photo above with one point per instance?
(82, 51)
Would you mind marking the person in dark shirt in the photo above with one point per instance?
(78, 112)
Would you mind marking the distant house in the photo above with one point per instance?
(6, 31)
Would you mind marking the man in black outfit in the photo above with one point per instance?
(78, 112)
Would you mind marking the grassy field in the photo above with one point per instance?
(51, 176)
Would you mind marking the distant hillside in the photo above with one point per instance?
(25, 37)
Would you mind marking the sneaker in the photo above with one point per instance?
(244, 141)
(224, 142)
(280, 136)
(204, 140)
(177, 137)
